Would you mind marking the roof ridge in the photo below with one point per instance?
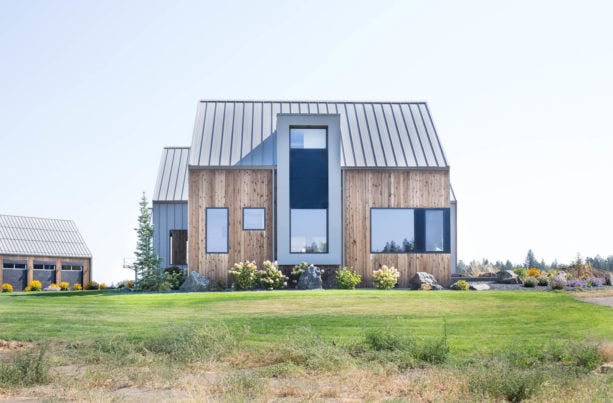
(38, 218)
(312, 101)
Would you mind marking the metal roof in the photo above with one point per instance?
(33, 236)
(374, 134)
(171, 183)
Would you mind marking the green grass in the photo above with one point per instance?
(476, 322)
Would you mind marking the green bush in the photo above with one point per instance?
(530, 282)
(463, 285)
(521, 272)
(543, 281)
(92, 285)
(381, 340)
(347, 279)
(386, 277)
(244, 275)
(499, 380)
(270, 277)
(174, 276)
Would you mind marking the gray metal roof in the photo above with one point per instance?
(33, 236)
(171, 183)
(374, 134)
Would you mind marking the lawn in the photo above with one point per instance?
(477, 324)
(474, 320)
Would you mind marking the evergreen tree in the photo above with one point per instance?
(146, 265)
(530, 260)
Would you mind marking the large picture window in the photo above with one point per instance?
(216, 230)
(308, 193)
(404, 230)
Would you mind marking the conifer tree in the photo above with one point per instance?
(146, 265)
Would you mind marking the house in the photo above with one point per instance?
(358, 184)
(44, 249)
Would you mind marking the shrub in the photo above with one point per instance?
(426, 287)
(463, 285)
(530, 282)
(595, 282)
(501, 380)
(557, 284)
(386, 277)
(382, 340)
(35, 285)
(533, 272)
(7, 287)
(27, 368)
(347, 279)
(299, 269)
(64, 286)
(576, 283)
(542, 281)
(244, 275)
(27, 289)
(77, 287)
(220, 285)
(102, 286)
(175, 276)
(270, 277)
(521, 272)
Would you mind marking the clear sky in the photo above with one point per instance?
(520, 92)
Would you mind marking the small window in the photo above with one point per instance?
(309, 231)
(217, 230)
(72, 267)
(254, 219)
(392, 230)
(308, 138)
(43, 266)
(16, 266)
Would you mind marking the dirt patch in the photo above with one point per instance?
(606, 301)
(10, 346)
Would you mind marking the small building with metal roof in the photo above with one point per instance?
(360, 184)
(45, 249)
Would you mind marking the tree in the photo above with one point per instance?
(530, 260)
(147, 264)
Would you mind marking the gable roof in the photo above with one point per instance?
(34, 236)
(171, 184)
(373, 134)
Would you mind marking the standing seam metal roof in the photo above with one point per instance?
(171, 184)
(373, 134)
(33, 236)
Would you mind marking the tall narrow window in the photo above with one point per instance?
(435, 231)
(217, 230)
(308, 165)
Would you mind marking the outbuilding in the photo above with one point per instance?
(360, 184)
(45, 249)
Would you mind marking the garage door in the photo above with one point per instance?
(14, 273)
(72, 273)
(44, 272)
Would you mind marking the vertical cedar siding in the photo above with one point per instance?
(232, 189)
(364, 189)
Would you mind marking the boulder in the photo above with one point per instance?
(471, 286)
(50, 288)
(422, 277)
(195, 282)
(507, 277)
(310, 279)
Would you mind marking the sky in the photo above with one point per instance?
(520, 93)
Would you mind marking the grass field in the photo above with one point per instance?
(90, 330)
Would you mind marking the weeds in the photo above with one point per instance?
(27, 368)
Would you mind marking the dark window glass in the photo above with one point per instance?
(178, 246)
(71, 267)
(254, 218)
(217, 230)
(19, 266)
(392, 230)
(309, 231)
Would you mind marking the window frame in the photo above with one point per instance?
(243, 218)
(419, 230)
(206, 232)
(327, 233)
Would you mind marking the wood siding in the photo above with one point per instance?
(232, 189)
(364, 189)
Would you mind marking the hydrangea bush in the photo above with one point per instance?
(270, 277)
(347, 279)
(244, 275)
(386, 277)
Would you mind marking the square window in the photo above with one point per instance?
(254, 219)
(392, 230)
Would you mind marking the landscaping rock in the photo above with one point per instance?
(310, 279)
(422, 277)
(479, 286)
(195, 282)
(507, 277)
(51, 288)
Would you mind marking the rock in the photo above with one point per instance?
(507, 277)
(195, 282)
(422, 277)
(51, 288)
(479, 286)
(310, 279)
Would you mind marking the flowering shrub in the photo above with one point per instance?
(576, 282)
(77, 287)
(595, 282)
(530, 282)
(557, 284)
(244, 275)
(35, 285)
(542, 280)
(533, 272)
(270, 277)
(92, 285)
(299, 269)
(103, 286)
(7, 287)
(463, 285)
(53, 285)
(347, 279)
(386, 277)
(64, 286)
(27, 289)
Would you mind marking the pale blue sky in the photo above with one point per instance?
(520, 92)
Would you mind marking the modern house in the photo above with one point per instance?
(44, 249)
(358, 184)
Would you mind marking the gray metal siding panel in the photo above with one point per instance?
(167, 217)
